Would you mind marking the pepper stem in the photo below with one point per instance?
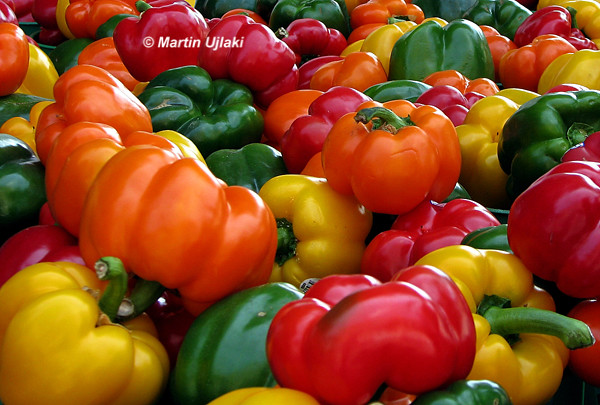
(506, 321)
(281, 33)
(286, 241)
(144, 294)
(383, 118)
(111, 301)
(142, 6)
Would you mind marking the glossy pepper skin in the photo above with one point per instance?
(475, 392)
(587, 14)
(310, 38)
(257, 50)
(341, 320)
(572, 68)
(234, 328)
(15, 48)
(589, 150)
(491, 237)
(430, 47)
(265, 396)
(214, 114)
(66, 54)
(448, 10)
(529, 146)
(424, 229)
(504, 15)
(250, 166)
(320, 231)
(585, 362)
(130, 366)
(497, 284)
(332, 13)
(401, 89)
(41, 74)
(570, 267)
(177, 22)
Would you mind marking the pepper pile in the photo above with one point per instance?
(320, 202)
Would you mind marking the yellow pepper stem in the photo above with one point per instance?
(507, 321)
(112, 302)
(383, 119)
(286, 241)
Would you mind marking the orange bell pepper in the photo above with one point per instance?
(83, 17)
(252, 14)
(456, 79)
(14, 49)
(102, 53)
(499, 45)
(358, 70)
(381, 11)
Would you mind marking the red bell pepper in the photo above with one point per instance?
(306, 135)
(309, 38)
(428, 227)
(351, 333)
(588, 150)
(44, 13)
(308, 69)
(38, 243)
(586, 361)
(552, 20)
(161, 38)
(450, 100)
(7, 13)
(247, 52)
(553, 228)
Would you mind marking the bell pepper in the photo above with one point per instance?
(44, 13)
(61, 344)
(14, 47)
(481, 174)
(475, 392)
(567, 257)
(7, 13)
(22, 191)
(449, 10)
(214, 115)
(218, 8)
(589, 150)
(523, 67)
(585, 362)
(17, 105)
(41, 74)
(522, 344)
(320, 232)
(332, 13)
(381, 11)
(454, 78)
(307, 133)
(24, 129)
(265, 396)
(310, 38)
(402, 89)
(430, 47)
(490, 237)
(250, 166)
(572, 68)
(360, 336)
(504, 15)
(162, 38)
(499, 45)
(66, 54)
(81, 18)
(530, 145)
(555, 20)
(450, 101)
(235, 327)
(393, 156)
(242, 50)
(307, 70)
(234, 230)
(107, 28)
(426, 228)
(587, 13)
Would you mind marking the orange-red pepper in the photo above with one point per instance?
(83, 17)
(14, 63)
(381, 11)
(456, 79)
(358, 70)
(499, 45)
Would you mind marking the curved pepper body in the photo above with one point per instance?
(572, 68)
(264, 396)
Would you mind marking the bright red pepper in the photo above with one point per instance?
(552, 20)
(306, 135)
(588, 150)
(309, 38)
(450, 100)
(240, 49)
(553, 228)
(162, 38)
(351, 333)
(586, 361)
(428, 227)
(7, 13)
(307, 70)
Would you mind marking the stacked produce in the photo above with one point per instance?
(311, 202)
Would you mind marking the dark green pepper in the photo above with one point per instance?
(490, 237)
(429, 48)
(216, 8)
(332, 13)
(250, 166)
(22, 186)
(448, 10)
(397, 90)
(462, 392)
(17, 105)
(214, 114)
(534, 139)
(504, 15)
(225, 347)
(65, 55)
(458, 192)
(106, 29)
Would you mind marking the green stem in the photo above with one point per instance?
(281, 33)
(142, 6)
(573, 13)
(506, 321)
(144, 294)
(383, 118)
(286, 241)
(111, 301)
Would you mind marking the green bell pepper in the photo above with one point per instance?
(22, 186)
(250, 166)
(489, 237)
(17, 105)
(534, 139)
(106, 29)
(458, 192)
(504, 15)
(332, 13)
(65, 55)
(461, 392)
(428, 48)
(448, 10)
(225, 347)
(214, 114)
(216, 8)
(397, 90)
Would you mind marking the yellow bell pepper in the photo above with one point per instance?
(480, 172)
(264, 396)
(61, 19)
(381, 41)
(320, 231)
(353, 47)
(24, 129)
(185, 145)
(587, 15)
(580, 67)
(519, 336)
(41, 74)
(57, 346)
